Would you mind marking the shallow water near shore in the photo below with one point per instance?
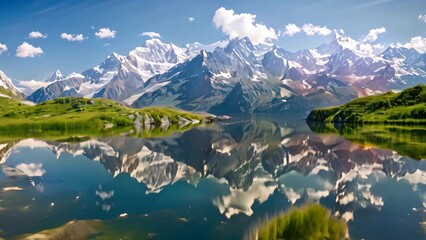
(212, 182)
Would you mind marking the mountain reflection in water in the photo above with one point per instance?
(210, 182)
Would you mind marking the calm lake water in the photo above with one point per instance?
(213, 182)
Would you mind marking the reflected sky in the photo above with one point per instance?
(210, 182)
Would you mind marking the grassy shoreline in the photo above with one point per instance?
(67, 117)
(406, 107)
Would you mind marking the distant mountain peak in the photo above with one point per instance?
(156, 44)
(339, 42)
(56, 76)
(241, 43)
(6, 84)
(407, 55)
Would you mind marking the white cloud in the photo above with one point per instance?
(26, 50)
(28, 87)
(37, 35)
(419, 43)
(422, 18)
(242, 25)
(370, 49)
(150, 34)
(3, 48)
(291, 29)
(105, 33)
(191, 19)
(365, 48)
(373, 34)
(379, 46)
(72, 37)
(32, 169)
(311, 30)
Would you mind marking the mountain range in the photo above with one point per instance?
(238, 76)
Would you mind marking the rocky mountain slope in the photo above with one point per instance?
(7, 88)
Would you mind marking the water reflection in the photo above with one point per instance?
(407, 140)
(218, 178)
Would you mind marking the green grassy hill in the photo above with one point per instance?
(408, 106)
(88, 117)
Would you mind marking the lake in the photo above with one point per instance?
(211, 182)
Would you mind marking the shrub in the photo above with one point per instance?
(309, 222)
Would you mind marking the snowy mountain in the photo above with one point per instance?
(7, 89)
(156, 57)
(205, 80)
(71, 85)
(239, 76)
(56, 76)
(118, 76)
(420, 62)
(401, 54)
(104, 72)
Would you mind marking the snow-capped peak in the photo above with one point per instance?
(4, 80)
(6, 83)
(194, 49)
(407, 55)
(156, 57)
(340, 41)
(240, 43)
(56, 76)
(155, 51)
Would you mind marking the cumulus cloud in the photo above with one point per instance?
(28, 87)
(26, 50)
(3, 48)
(422, 18)
(370, 49)
(37, 35)
(72, 37)
(191, 19)
(32, 169)
(150, 34)
(373, 34)
(419, 43)
(105, 33)
(291, 29)
(311, 30)
(242, 25)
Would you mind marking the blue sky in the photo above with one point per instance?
(170, 18)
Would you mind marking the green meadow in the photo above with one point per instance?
(69, 117)
(406, 107)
